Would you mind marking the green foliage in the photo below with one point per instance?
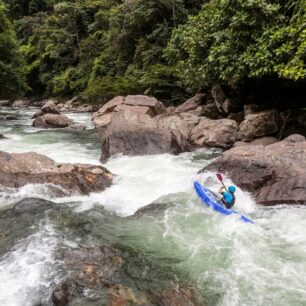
(230, 41)
(157, 47)
(12, 82)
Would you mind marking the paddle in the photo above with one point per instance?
(220, 178)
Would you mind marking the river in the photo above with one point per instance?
(228, 261)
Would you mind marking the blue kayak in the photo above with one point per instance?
(211, 200)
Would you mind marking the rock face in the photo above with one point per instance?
(133, 133)
(49, 116)
(263, 141)
(17, 170)
(275, 174)
(259, 124)
(215, 133)
(138, 104)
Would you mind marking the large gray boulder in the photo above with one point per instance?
(134, 103)
(215, 133)
(259, 124)
(132, 133)
(275, 174)
(17, 170)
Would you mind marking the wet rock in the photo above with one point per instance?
(260, 124)
(78, 127)
(191, 119)
(33, 206)
(2, 137)
(49, 117)
(17, 170)
(11, 117)
(133, 133)
(65, 293)
(215, 133)
(21, 103)
(192, 104)
(51, 121)
(275, 174)
(178, 296)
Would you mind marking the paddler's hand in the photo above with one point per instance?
(220, 190)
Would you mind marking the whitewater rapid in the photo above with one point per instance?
(232, 263)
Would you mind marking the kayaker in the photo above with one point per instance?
(229, 198)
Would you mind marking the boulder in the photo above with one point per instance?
(2, 137)
(21, 103)
(263, 141)
(259, 124)
(109, 106)
(133, 133)
(138, 104)
(51, 121)
(275, 174)
(215, 133)
(103, 121)
(50, 108)
(138, 109)
(192, 104)
(156, 106)
(219, 96)
(17, 170)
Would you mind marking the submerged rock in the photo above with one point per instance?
(17, 170)
(275, 174)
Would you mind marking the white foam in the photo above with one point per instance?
(26, 272)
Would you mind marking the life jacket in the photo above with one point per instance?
(230, 204)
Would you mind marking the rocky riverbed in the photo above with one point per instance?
(70, 241)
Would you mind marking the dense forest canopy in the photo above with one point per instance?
(166, 48)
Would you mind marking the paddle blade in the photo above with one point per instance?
(219, 177)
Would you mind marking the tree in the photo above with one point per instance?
(231, 41)
(12, 78)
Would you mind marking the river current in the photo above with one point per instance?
(230, 263)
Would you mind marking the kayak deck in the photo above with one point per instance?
(210, 199)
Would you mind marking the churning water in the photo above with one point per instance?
(232, 263)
